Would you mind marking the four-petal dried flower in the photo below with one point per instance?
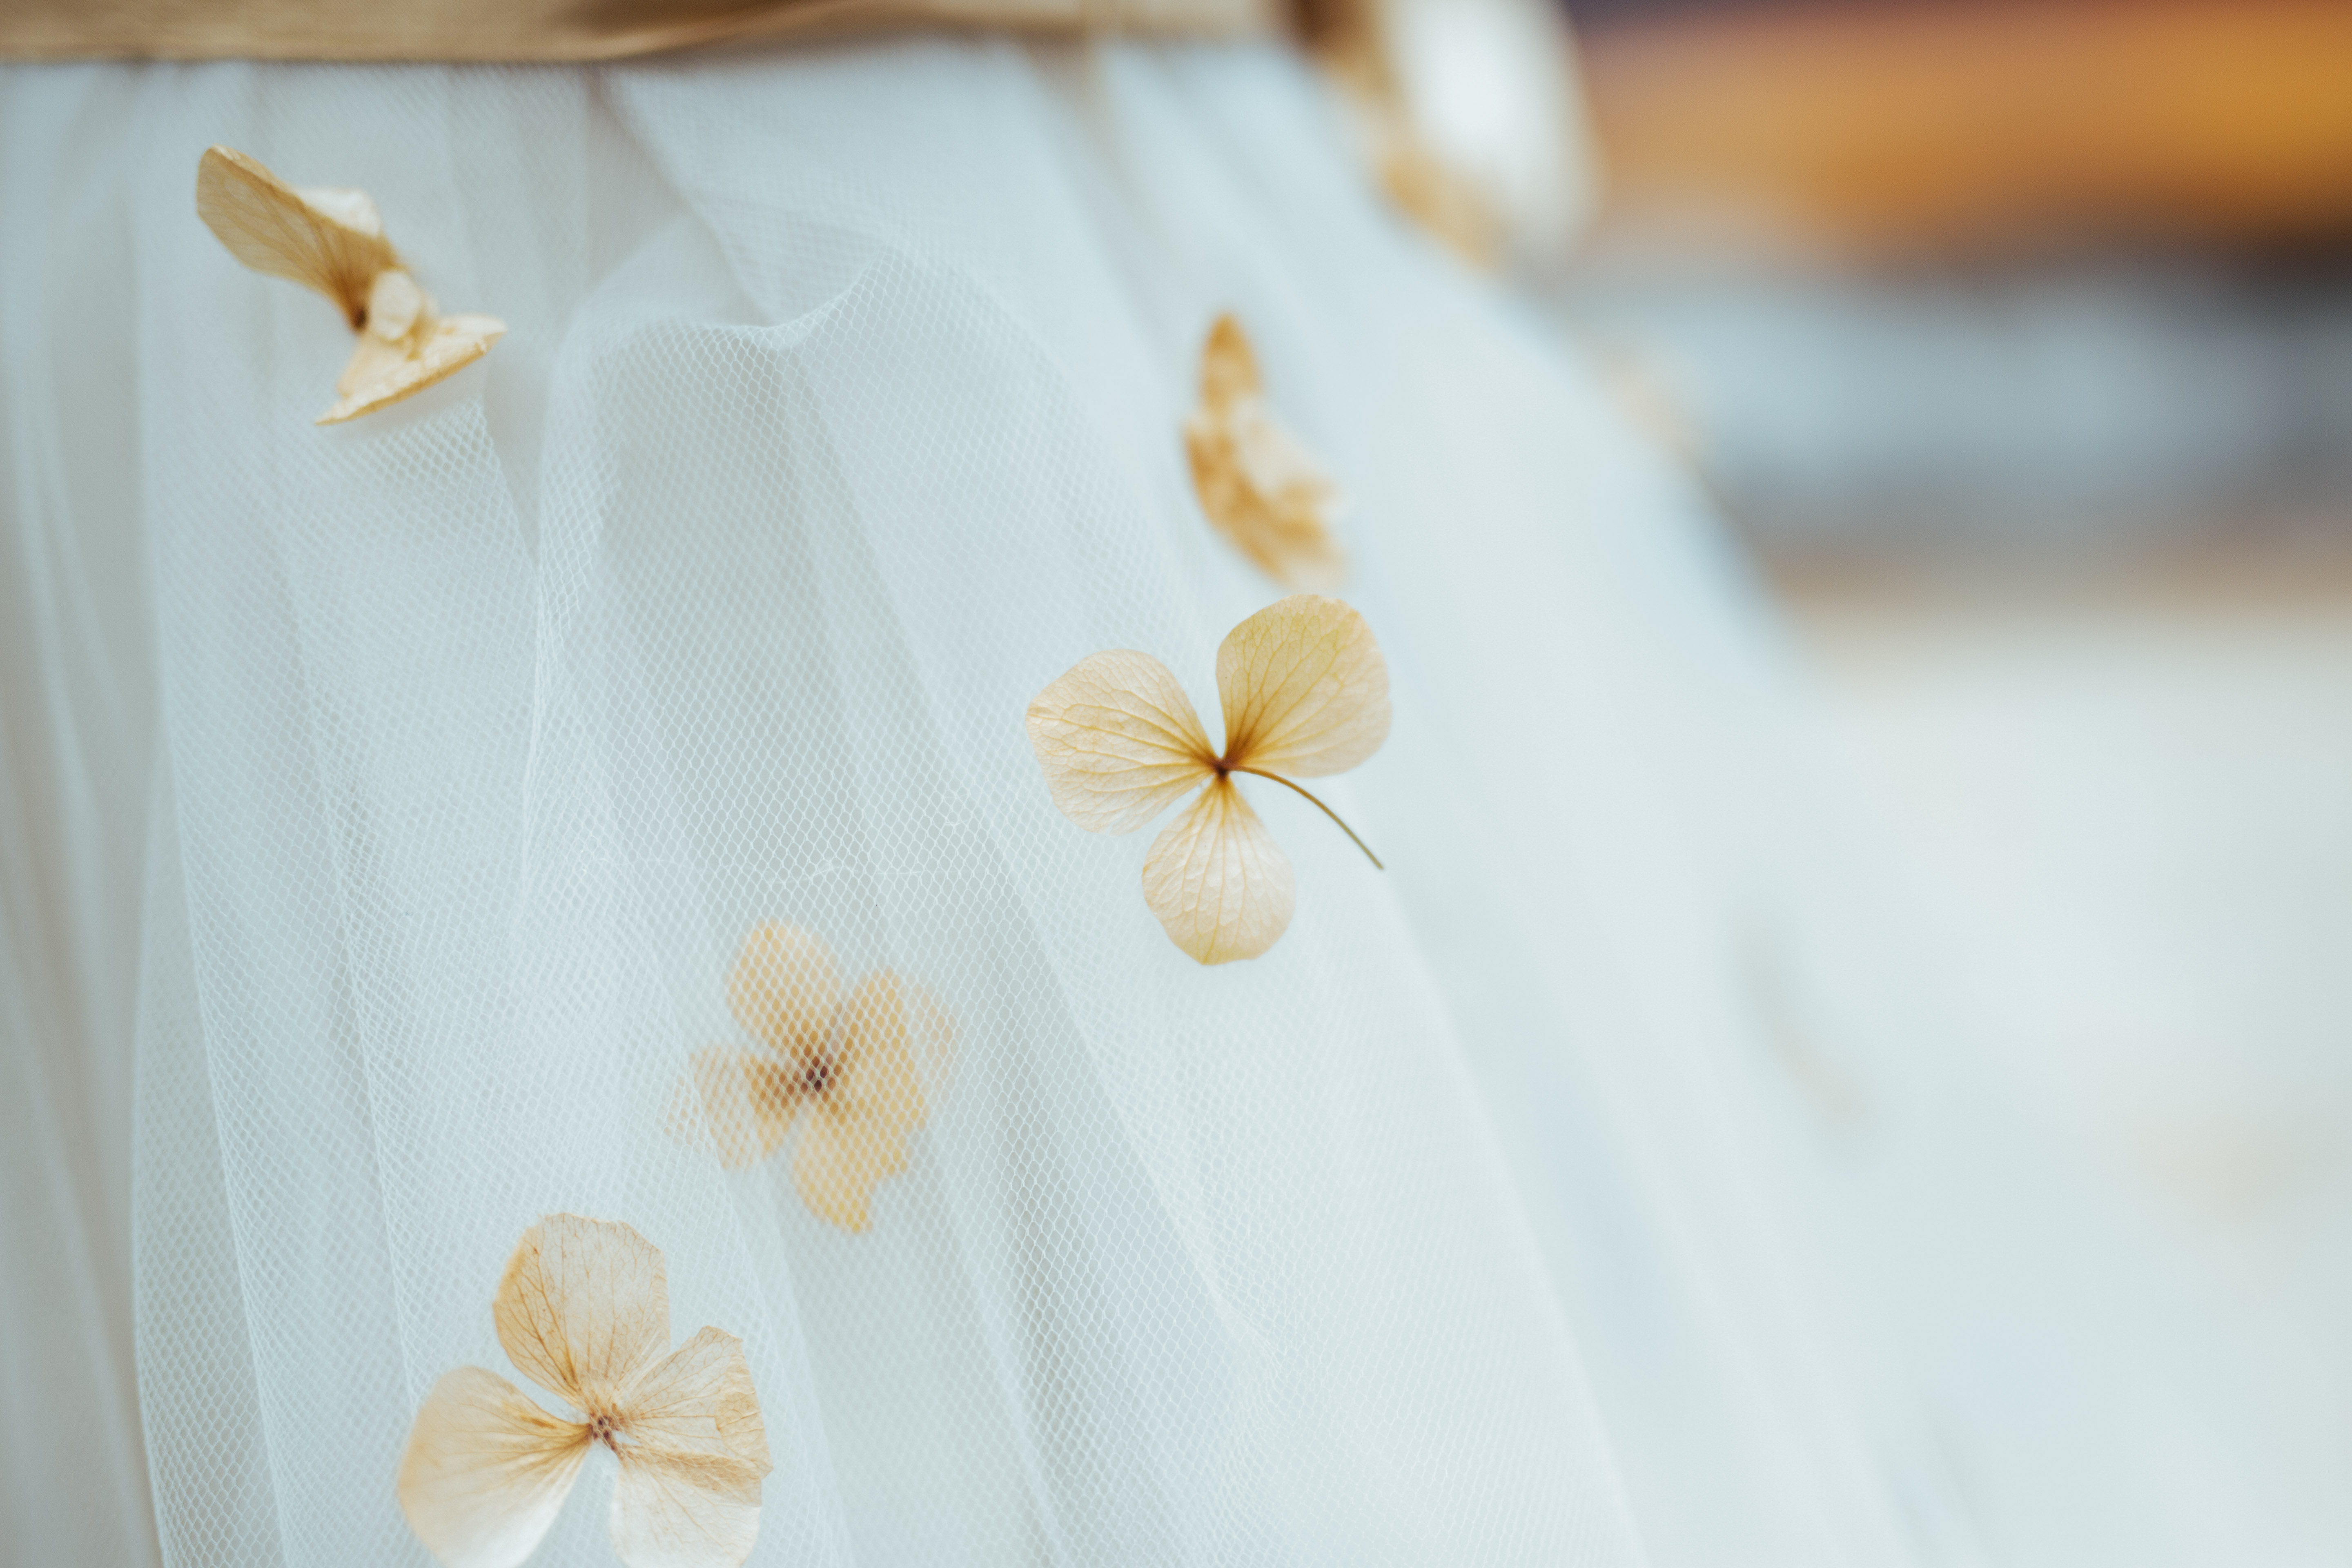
(1305, 693)
(1258, 486)
(867, 1067)
(583, 1311)
(331, 241)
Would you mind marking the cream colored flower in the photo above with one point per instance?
(1305, 693)
(331, 241)
(866, 1068)
(1259, 487)
(583, 1311)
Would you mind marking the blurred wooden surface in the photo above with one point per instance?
(1970, 127)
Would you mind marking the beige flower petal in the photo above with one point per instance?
(346, 204)
(1306, 691)
(674, 1509)
(699, 1399)
(743, 1101)
(839, 1161)
(396, 307)
(1218, 882)
(330, 241)
(1266, 495)
(692, 1450)
(894, 1050)
(584, 1305)
(486, 1470)
(786, 987)
(1257, 486)
(1119, 742)
(380, 375)
(1228, 366)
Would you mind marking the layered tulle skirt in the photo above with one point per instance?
(1606, 1181)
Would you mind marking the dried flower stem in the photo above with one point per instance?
(1255, 773)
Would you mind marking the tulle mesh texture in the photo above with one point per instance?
(507, 719)
(1571, 1195)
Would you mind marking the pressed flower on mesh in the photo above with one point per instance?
(1259, 486)
(1306, 694)
(583, 1311)
(331, 241)
(859, 1072)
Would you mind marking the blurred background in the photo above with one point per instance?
(2017, 339)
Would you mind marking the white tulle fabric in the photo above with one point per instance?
(1595, 1187)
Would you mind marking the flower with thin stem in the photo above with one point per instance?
(1305, 693)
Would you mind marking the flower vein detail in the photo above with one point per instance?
(1259, 487)
(866, 1067)
(1305, 693)
(330, 240)
(583, 1311)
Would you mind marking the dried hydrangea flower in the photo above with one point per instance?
(1305, 693)
(331, 241)
(865, 1068)
(583, 1311)
(1258, 486)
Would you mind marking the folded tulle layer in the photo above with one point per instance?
(600, 785)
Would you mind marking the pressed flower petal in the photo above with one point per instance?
(675, 1509)
(895, 1049)
(744, 1100)
(894, 1052)
(1298, 495)
(784, 988)
(584, 1305)
(1228, 365)
(1306, 691)
(692, 1450)
(1266, 495)
(1218, 882)
(699, 1398)
(345, 204)
(332, 240)
(379, 376)
(1119, 742)
(327, 240)
(1257, 486)
(396, 306)
(486, 1470)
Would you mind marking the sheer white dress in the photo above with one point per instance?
(1603, 1183)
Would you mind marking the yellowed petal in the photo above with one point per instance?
(894, 1047)
(699, 1399)
(894, 1051)
(1448, 206)
(1261, 490)
(786, 987)
(684, 1509)
(692, 1449)
(1256, 485)
(583, 1306)
(1306, 691)
(838, 1163)
(346, 204)
(1228, 365)
(376, 378)
(742, 1102)
(1119, 742)
(1218, 882)
(268, 226)
(486, 1470)
(396, 307)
